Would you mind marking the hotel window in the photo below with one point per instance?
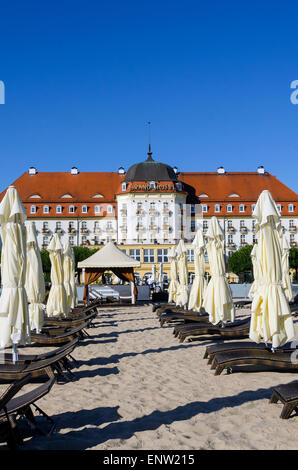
(230, 239)
(190, 256)
(291, 223)
(162, 255)
(84, 209)
(152, 185)
(33, 210)
(179, 186)
(229, 208)
(205, 224)
(71, 240)
(165, 205)
(46, 209)
(45, 240)
(242, 208)
(110, 209)
(45, 225)
(71, 209)
(291, 207)
(292, 237)
(217, 208)
(278, 207)
(58, 225)
(109, 224)
(123, 186)
(242, 239)
(230, 223)
(97, 209)
(253, 224)
(242, 223)
(84, 238)
(204, 208)
(254, 239)
(84, 224)
(193, 225)
(135, 254)
(96, 225)
(148, 255)
(152, 205)
(58, 209)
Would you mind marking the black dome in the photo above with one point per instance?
(149, 170)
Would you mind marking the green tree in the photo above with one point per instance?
(293, 261)
(46, 264)
(82, 252)
(240, 262)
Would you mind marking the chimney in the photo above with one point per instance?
(32, 170)
(121, 170)
(221, 170)
(74, 170)
(261, 170)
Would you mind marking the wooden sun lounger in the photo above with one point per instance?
(46, 365)
(238, 329)
(56, 335)
(188, 317)
(288, 395)
(12, 407)
(277, 361)
(78, 320)
(238, 346)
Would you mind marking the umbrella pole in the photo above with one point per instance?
(15, 354)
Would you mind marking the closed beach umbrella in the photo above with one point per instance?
(69, 274)
(199, 284)
(57, 301)
(173, 274)
(160, 274)
(153, 275)
(14, 315)
(286, 280)
(218, 300)
(35, 285)
(182, 291)
(271, 319)
(255, 258)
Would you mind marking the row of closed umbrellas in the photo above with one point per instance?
(271, 319)
(23, 286)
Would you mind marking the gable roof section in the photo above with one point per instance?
(83, 186)
(248, 185)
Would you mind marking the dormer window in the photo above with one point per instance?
(84, 209)
(123, 186)
(229, 208)
(35, 196)
(203, 195)
(179, 186)
(233, 195)
(110, 209)
(33, 210)
(46, 209)
(291, 207)
(71, 209)
(97, 209)
(204, 208)
(152, 185)
(66, 196)
(253, 207)
(217, 208)
(59, 209)
(242, 208)
(278, 207)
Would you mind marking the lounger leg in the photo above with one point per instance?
(40, 411)
(219, 369)
(274, 398)
(287, 410)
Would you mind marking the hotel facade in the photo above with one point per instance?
(149, 207)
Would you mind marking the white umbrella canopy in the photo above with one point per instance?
(182, 291)
(286, 280)
(199, 284)
(14, 315)
(69, 274)
(218, 300)
(255, 258)
(57, 301)
(173, 274)
(35, 285)
(271, 319)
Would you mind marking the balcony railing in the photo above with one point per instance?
(97, 230)
(84, 230)
(44, 246)
(140, 212)
(292, 228)
(123, 211)
(45, 230)
(243, 229)
(71, 230)
(153, 212)
(152, 227)
(230, 229)
(140, 228)
(58, 230)
(123, 228)
(242, 244)
(293, 243)
(110, 229)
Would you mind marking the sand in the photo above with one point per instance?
(138, 388)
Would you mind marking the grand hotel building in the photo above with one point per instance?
(149, 207)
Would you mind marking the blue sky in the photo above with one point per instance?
(83, 78)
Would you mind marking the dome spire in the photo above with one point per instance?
(149, 153)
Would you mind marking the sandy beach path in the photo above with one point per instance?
(138, 388)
